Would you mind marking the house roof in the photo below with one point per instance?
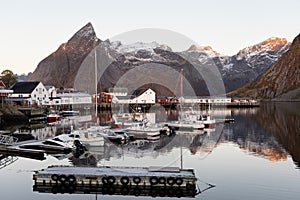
(24, 87)
(2, 85)
(125, 97)
(140, 91)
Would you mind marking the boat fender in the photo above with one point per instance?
(161, 180)
(179, 181)
(62, 178)
(137, 180)
(171, 181)
(71, 179)
(153, 180)
(111, 180)
(124, 180)
(54, 177)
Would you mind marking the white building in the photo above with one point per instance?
(72, 98)
(199, 100)
(147, 97)
(29, 93)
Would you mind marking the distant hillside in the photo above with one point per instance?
(279, 82)
(61, 68)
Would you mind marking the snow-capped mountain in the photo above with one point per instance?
(250, 62)
(281, 80)
(62, 67)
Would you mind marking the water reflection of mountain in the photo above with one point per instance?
(250, 136)
(282, 121)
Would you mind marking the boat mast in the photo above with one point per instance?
(181, 94)
(96, 82)
(181, 99)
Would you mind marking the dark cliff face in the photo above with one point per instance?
(64, 67)
(60, 68)
(280, 79)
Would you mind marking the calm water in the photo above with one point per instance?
(257, 157)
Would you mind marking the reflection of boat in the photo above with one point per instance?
(69, 112)
(53, 117)
(60, 143)
(185, 125)
(87, 138)
(115, 135)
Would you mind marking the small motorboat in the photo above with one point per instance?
(60, 143)
(116, 135)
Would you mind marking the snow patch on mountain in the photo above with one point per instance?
(204, 49)
(137, 46)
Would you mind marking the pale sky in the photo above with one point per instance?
(33, 29)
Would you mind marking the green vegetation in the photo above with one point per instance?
(8, 78)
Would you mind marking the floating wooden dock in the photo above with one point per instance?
(144, 181)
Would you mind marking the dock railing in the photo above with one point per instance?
(7, 140)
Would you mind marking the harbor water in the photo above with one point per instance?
(256, 157)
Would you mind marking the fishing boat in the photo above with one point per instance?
(185, 123)
(125, 120)
(206, 119)
(146, 130)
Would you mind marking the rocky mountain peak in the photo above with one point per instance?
(270, 44)
(61, 67)
(86, 31)
(203, 49)
(282, 80)
(66, 60)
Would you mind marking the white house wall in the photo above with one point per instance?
(39, 95)
(72, 99)
(148, 97)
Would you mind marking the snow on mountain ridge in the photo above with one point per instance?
(135, 47)
(86, 31)
(204, 49)
(271, 44)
